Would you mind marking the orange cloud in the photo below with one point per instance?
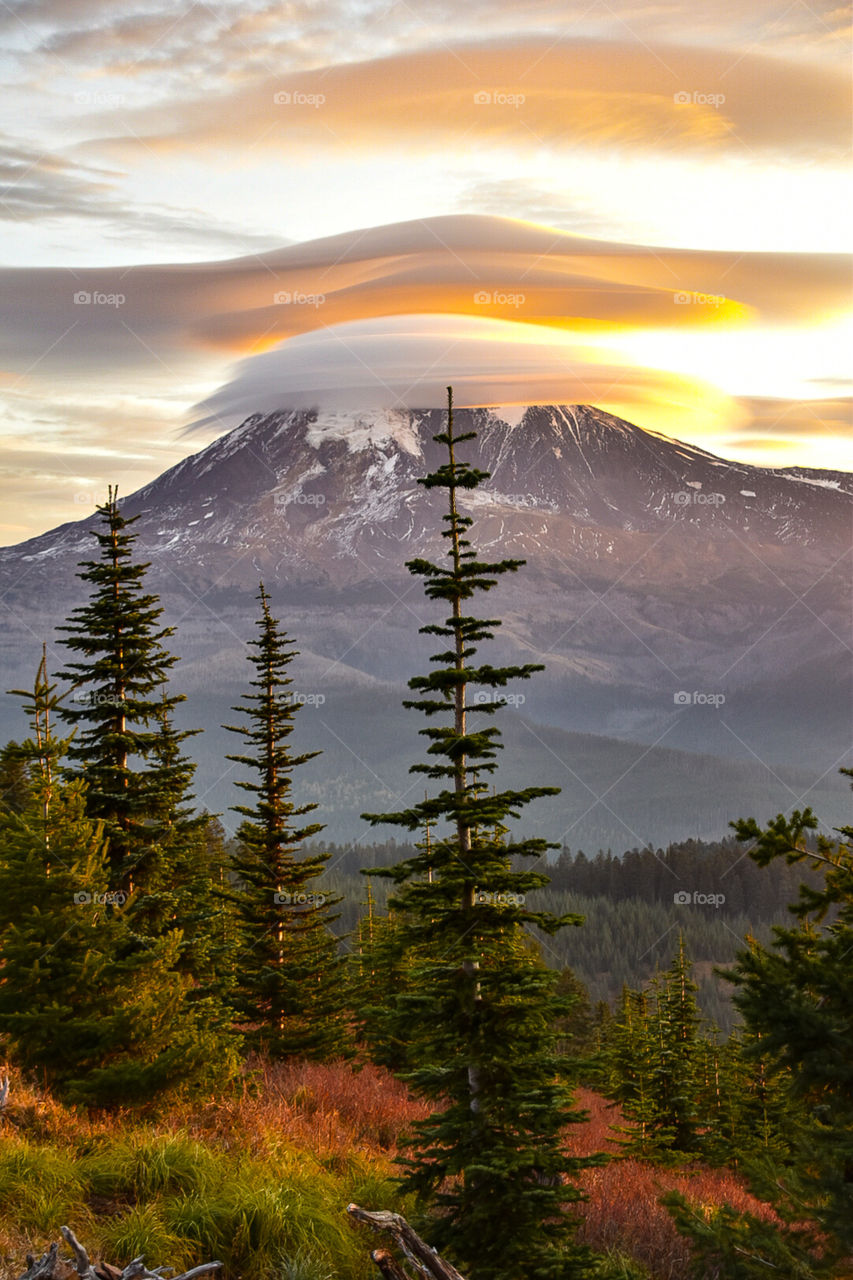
(409, 360)
(482, 267)
(530, 93)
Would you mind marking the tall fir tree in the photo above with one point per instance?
(97, 1018)
(117, 703)
(379, 972)
(289, 982)
(626, 1070)
(480, 1012)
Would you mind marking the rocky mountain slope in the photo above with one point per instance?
(680, 602)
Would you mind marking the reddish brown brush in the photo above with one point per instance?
(326, 1106)
(623, 1212)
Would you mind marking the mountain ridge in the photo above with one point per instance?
(655, 572)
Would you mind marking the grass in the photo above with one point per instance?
(261, 1178)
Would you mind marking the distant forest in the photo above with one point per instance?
(632, 921)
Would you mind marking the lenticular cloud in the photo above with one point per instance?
(408, 361)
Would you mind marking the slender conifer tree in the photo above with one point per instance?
(289, 982)
(481, 1014)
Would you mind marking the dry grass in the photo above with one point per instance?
(623, 1212)
(345, 1123)
(332, 1108)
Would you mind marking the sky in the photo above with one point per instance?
(208, 209)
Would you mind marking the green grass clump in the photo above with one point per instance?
(142, 1163)
(142, 1230)
(40, 1186)
(179, 1201)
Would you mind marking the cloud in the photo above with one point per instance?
(182, 315)
(224, 39)
(532, 93)
(779, 432)
(408, 361)
(508, 311)
(39, 185)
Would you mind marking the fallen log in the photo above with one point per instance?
(51, 1267)
(424, 1259)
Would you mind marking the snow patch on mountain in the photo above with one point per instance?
(821, 484)
(361, 428)
(511, 414)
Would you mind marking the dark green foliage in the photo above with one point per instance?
(379, 973)
(675, 1075)
(576, 1027)
(15, 781)
(664, 1074)
(625, 1069)
(479, 1008)
(94, 1015)
(796, 999)
(289, 982)
(117, 704)
(741, 1246)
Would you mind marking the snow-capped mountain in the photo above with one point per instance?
(678, 600)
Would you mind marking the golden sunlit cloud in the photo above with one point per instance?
(510, 312)
(490, 268)
(536, 92)
(407, 362)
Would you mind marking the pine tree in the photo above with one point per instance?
(480, 1012)
(15, 783)
(380, 972)
(289, 981)
(796, 999)
(118, 697)
(674, 1081)
(98, 1018)
(651, 1058)
(189, 894)
(626, 1070)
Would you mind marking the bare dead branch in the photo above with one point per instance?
(417, 1252)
